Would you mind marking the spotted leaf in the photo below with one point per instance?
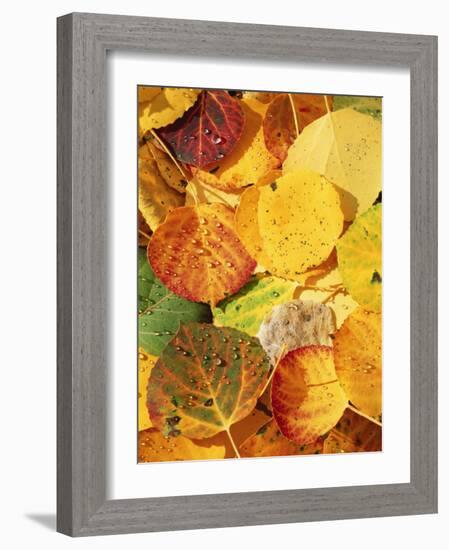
(306, 396)
(208, 131)
(206, 379)
(353, 433)
(197, 254)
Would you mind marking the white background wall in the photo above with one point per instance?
(27, 259)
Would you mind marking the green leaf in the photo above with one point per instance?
(161, 311)
(365, 105)
(206, 379)
(247, 309)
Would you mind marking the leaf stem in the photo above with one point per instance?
(234, 446)
(167, 150)
(279, 359)
(295, 117)
(360, 413)
(144, 234)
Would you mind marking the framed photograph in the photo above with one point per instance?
(247, 280)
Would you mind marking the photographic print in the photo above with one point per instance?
(259, 238)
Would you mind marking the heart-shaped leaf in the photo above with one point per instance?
(246, 310)
(155, 447)
(359, 253)
(161, 311)
(358, 360)
(306, 396)
(269, 441)
(293, 325)
(249, 161)
(164, 107)
(287, 116)
(353, 433)
(208, 131)
(197, 254)
(206, 379)
(346, 148)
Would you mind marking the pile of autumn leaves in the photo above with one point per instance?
(260, 276)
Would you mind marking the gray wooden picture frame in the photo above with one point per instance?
(83, 40)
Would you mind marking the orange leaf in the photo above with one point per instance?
(196, 253)
(353, 433)
(306, 396)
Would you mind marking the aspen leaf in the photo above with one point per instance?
(208, 131)
(165, 107)
(148, 93)
(306, 396)
(269, 441)
(359, 253)
(346, 148)
(161, 311)
(353, 433)
(249, 161)
(155, 447)
(287, 116)
(358, 360)
(293, 325)
(144, 232)
(206, 379)
(168, 170)
(363, 104)
(196, 253)
(246, 310)
(146, 364)
(156, 199)
(199, 192)
(300, 221)
(262, 97)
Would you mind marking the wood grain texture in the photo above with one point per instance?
(83, 40)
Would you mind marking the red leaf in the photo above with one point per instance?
(208, 131)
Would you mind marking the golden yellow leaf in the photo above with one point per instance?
(165, 107)
(155, 447)
(148, 93)
(300, 221)
(198, 192)
(358, 360)
(353, 433)
(346, 148)
(146, 364)
(269, 441)
(170, 173)
(249, 161)
(156, 198)
(359, 253)
(306, 395)
(263, 97)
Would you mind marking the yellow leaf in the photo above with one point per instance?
(358, 360)
(249, 161)
(306, 396)
(353, 433)
(198, 192)
(156, 198)
(155, 447)
(359, 254)
(170, 173)
(300, 220)
(269, 441)
(263, 97)
(146, 364)
(165, 107)
(346, 148)
(148, 93)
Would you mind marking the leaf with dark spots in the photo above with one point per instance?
(208, 131)
(210, 397)
(197, 254)
(160, 311)
(354, 433)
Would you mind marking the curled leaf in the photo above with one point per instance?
(155, 447)
(287, 116)
(246, 310)
(269, 441)
(294, 325)
(360, 259)
(306, 396)
(206, 379)
(196, 253)
(208, 131)
(346, 148)
(249, 161)
(300, 221)
(358, 360)
(161, 311)
(353, 433)
(164, 107)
